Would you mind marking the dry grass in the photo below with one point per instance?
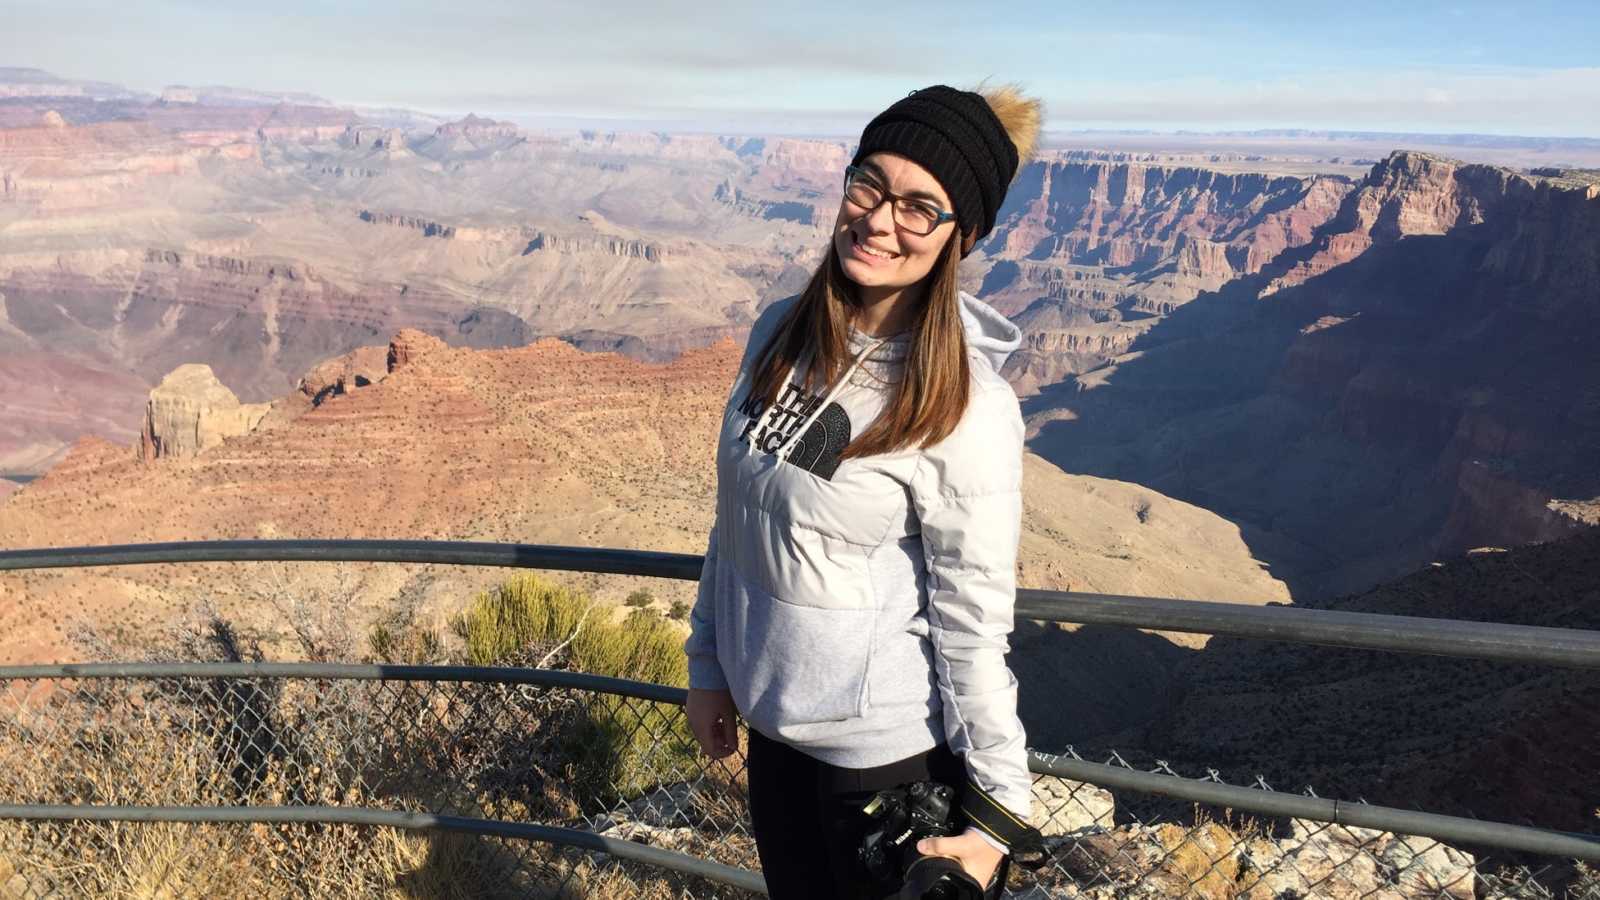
(550, 756)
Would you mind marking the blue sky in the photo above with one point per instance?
(823, 66)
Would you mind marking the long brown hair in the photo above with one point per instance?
(931, 396)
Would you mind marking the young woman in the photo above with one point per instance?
(859, 580)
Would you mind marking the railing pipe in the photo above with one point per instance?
(1454, 829)
(1275, 803)
(413, 821)
(1566, 647)
(684, 566)
(605, 684)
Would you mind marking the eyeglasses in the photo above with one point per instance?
(915, 216)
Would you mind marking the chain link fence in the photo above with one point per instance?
(604, 758)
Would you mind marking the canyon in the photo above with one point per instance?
(1364, 364)
(1498, 741)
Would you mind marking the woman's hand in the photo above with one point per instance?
(977, 856)
(713, 720)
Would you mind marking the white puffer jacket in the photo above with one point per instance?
(859, 609)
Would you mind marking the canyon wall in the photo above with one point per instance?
(1090, 253)
(259, 240)
(1416, 379)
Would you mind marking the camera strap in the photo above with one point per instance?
(1025, 843)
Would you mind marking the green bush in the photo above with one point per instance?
(404, 644)
(619, 745)
(641, 597)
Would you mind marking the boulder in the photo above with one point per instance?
(1062, 807)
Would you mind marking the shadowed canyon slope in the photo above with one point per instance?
(540, 444)
(1418, 379)
(1500, 741)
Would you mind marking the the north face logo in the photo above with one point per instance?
(818, 449)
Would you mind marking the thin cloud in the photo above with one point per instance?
(1549, 101)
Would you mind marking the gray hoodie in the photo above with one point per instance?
(859, 609)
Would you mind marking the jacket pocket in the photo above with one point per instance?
(790, 664)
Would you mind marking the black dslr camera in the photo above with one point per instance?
(901, 817)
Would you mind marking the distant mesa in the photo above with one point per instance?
(392, 139)
(376, 137)
(341, 375)
(410, 345)
(477, 126)
(221, 95)
(428, 227)
(190, 411)
(606, 245)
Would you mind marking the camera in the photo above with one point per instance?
(901, 817)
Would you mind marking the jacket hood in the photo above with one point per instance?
(988, 332)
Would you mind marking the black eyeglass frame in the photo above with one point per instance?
(852, 172)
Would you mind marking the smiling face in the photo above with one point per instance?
(906, 258)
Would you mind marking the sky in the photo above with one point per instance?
(825, 67)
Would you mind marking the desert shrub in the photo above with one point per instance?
(618, 745)
(512, 623)
(640, 597)
(404, 645)
(680, 611)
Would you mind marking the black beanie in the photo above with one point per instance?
(959, 140)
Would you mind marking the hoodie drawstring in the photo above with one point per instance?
(794, 436)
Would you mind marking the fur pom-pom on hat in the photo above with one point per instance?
(1019, 115)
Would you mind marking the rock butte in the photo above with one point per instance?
(190, 412)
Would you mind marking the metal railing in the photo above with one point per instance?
(1370, 631)
(309, 752)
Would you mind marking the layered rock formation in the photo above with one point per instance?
(359, 368)
(600, 244)
(190, 412)
(1090, 252)
(407, 346)
(232, 236)
(1416, 380)
(541, 444)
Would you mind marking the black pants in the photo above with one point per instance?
(808, 821)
